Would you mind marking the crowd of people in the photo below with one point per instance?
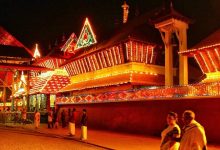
(18, 116)
(192, 136)
(54, 117)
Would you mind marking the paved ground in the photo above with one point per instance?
(111, 140)
(20, 140)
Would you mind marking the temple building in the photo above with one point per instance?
(14, 71)
(128, 81)
(131, 80)
(132, 59)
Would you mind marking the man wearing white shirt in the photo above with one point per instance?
(194, 137)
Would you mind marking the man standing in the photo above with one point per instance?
(84, 125)
(50, 118)
(194, 137)
(63, 118)
(72, 121)
(55, 118)
(24, 116)
(37, 119)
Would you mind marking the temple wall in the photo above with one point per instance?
(149, 117)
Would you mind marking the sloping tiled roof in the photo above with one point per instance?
(212, 39)
(8, 40)
(139, 29)
(168, 12)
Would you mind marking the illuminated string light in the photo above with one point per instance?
(154, 93)
(86, 64)
(93, 63)
(210, 58)
(119, 55)
(217, 53)
(72, 68)
(80, 66)
(201, 54)
(100, 60)
(109, 63)
(201, 48)
(125, 7)
(198, 63)
(57, 64)
(152, 54)
(51, 64)
(103, 59)
(115, 56)
(83, 65)
(127, 51)
(75, 66)
(111, 57)
(90, 63)
(77, 80)
(147, 54)
(137, 50)
(96, 62)
(131, 51)
(142, 52)
(87, 36)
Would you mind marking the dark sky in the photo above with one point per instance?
(44, 21)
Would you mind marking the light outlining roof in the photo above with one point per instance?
(83, 35)
(70, 43)
(50, 62)
(199, 49)
(211, 41)
(22, 80)
(207, 53)
(208, 60)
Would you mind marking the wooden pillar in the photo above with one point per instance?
(168, 59)
(178, 27)
(183, 60)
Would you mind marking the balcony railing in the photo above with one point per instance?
(147, 93)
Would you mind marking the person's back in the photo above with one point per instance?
(84, 120)
(73, 116)
(55, 115)
(63, 118)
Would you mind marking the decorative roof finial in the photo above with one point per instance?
(36, 52)
(125, 8)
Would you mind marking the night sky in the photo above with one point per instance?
(45, 21)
